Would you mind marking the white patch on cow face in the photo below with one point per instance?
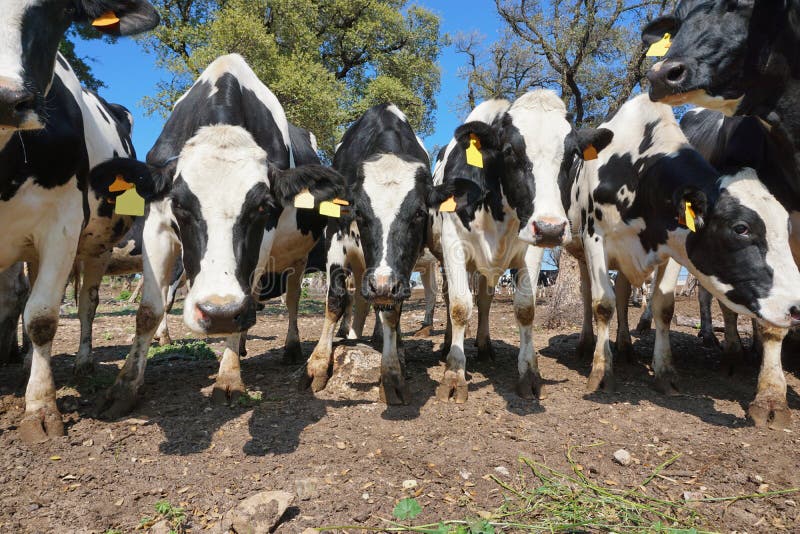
(12, 73)
(388, 179)
(540, 117)
(219, 165)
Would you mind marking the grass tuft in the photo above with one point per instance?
(194, 350)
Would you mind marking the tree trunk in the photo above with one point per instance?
(566, 305)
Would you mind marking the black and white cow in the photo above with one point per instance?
(389, 187)
(60, 149)
(502, 207)
(627, 206)
(224, 173)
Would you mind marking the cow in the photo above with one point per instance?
(61, 147)
(379, 239)
(503, 166)
(225, 185)
(651, 197)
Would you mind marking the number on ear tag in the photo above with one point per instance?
(329, 209)
(689, 217)
(304, 200)
(474, 156)
(109, 18)
(448, 206)
(120, 184)
(130, 203)
(589, 153)
(659, 48)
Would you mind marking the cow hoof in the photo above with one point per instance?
(486, 352)
(666, 383)
(709, 340)
(772, 412)
(453, 384)
(118, 401)
(39, 428)
(624, 350)
(227, 391)
(529, 385)
(424, 331)
(644, 326)
(83, 368)
(393, 389)
(292, 354)
(316, 375)
(601, 380)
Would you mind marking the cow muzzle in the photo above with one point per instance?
(384, 290)
(548, 231)
(222, 316)
(16, 104)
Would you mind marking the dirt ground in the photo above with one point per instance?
(352, 457)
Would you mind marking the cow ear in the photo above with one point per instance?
(119, 18)
(460, 192)
(654, 31)
(323, 183)
(593, 138)
(691, 203)
(486, 135)
(115, 176)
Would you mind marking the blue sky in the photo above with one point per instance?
(130, 74)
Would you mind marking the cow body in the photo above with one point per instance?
(224, 173)
(627, 206)
(388, 186)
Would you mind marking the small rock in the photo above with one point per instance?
(33, 507)
(763, 488)
(306, 488)
(502, 470)
(409, 484)
(692, 495)
(88, 443)
(356, 373)
(341, 445)
(757, 479)
(622, 457)
(464, 474)
(257, 514)
(162, 527)
(365, 496)
(790, 502)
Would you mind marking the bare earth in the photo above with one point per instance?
(179, 447)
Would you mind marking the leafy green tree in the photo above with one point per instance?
(80, 64)
(327, 62)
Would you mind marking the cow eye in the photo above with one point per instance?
(742, 229)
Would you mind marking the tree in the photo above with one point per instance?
(590, 47)
(327, 62)
(80, 64)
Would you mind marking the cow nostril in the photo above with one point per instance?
(676, 73)
(794, 311)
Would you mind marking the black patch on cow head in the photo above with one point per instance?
(248, 232)
(192, 227)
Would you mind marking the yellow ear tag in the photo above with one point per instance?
(329, 209)
(474, 156)
(589, 153)
(109, 18)
(120, 185)
(130, 203)
(689, 217)
(340, 202)
(304, 200)
(659, 48)
(449, 205)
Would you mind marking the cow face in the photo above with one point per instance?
(30, 31)
(741, 250)
(721, 50)
(391, 211)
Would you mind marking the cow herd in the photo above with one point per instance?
(234, 200)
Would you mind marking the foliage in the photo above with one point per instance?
(250, 399)
(174, 515)
(407, 509)
(80, 64)
(327, 62)
(196, 350)
(124, 295)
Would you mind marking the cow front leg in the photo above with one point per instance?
(393, 388)
(293, 352)
(483, 340)
(454, 381)
(428, 278)
(529, 385)
(622, 290)
(663, 309)
(602, 373)
(732, 347)
(586, 340)
(93, 271)
(178, 280)
(13, 295)
(448, 328)
(769, 407)
(161, 248)
(360, 307)
(706, 333)
(228, 386)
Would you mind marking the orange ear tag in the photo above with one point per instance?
(474, 156)
(659, 48)
(589, 153)
(120, 185)
(109, 18)
(340, 202)
(448, 206)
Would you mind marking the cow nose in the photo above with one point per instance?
(549, 232)
(794, 313)
(384, 288)
(14, 103)
(225, 317)
(668, 77)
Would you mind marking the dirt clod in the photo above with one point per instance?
(623, 457)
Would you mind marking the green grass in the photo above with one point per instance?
(175, 516)
(547, 500)
(191, 350)
(124, 295)
(250, 399)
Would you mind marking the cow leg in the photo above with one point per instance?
(483, 341)
(428, 278)
(529, 385)
(359, 306)
(602, 374)
(13, 294)
(770, 407)
(622, 289)
(454, 381)
(448, 329)
(319, 364)
(228, 386)
(345, 328)
(293, 352)
(586, 341)
(706, 333)
(663, 309)
(179, 279)
(646, 320)
(732, 348)
(93, 271)
(161, 248)
(393, 388)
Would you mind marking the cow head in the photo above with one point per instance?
(725, 50)
(226, 199)
(31, 31)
